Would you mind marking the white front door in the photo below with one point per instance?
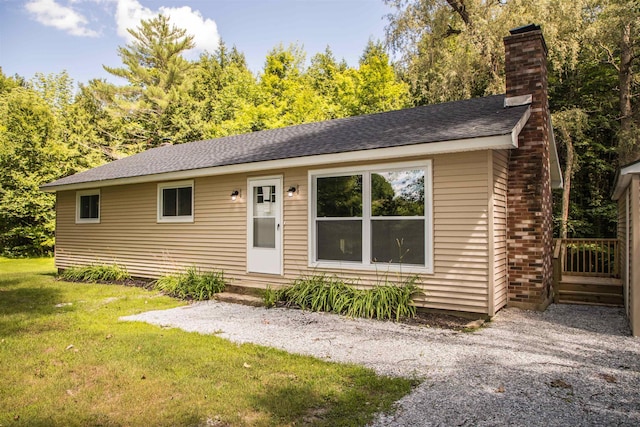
(264, 225)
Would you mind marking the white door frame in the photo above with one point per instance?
(265, 260)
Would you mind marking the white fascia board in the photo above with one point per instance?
(624, 178)
(515, 132)
(508, 141)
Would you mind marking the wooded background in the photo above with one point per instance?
(435, 51)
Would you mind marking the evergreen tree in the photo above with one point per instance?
(157, 75)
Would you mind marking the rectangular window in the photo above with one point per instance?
(373, 217)
(397, 217)
(88, 206)
(264, 221)
(339, 218)
(175, 202)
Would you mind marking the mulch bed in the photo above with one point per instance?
(423, 318)
(147, 284)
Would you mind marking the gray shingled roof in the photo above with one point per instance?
(449, 121)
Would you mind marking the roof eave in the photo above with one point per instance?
(507, 141)
(623, 178)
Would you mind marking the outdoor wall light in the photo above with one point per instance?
(234, 195)
(291, 190)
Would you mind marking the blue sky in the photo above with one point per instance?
(80, 36)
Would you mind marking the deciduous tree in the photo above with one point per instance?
(30, 155)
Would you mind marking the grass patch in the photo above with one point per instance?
(192, 284)
(330, 294)
(96, 273)
(67, 360)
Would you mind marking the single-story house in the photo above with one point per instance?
(458, 194)
(627, 193)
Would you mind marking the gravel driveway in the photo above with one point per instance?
(570, 365)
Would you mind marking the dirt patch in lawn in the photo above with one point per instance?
(441, 320)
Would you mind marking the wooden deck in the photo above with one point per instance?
(587, 271)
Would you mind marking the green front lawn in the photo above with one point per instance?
(67, 360)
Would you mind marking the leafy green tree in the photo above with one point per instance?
(323, 74)
(93, 129)
(31, 155)
(374, 86)
(8, 83)
(615, 41)
(584, 100)
(286, 95)
(73, 124)
(222, 90)
(41, 140)
(55, 89)
(453, 49)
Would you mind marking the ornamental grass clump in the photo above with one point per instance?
(96, 273)
(330, 294)
(192, 284)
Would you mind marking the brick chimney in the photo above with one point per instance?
(529, 224)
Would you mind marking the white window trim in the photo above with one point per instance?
(366, 264)
(176, 184)
(88, 193)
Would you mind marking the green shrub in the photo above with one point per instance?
(270, 297)
(330, 294)
(192, 284)
(96, 273)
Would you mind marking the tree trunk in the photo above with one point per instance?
(461, 9)
(566, 189)
(628, 149)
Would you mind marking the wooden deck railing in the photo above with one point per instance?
(590, 257)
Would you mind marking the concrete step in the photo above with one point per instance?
(243, 299)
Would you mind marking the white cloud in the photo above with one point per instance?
(53, 14)
(129, 13)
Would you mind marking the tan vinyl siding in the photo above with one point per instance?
(625, 243)
(629, 237)
(500, 182)
(130, 235)
(128, 232)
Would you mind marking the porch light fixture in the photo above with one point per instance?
(291, 191)
(234, 195)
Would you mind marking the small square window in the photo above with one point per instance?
(88, 206)
(175, 202)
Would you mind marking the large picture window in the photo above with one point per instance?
(88, 206)
(175, 202)
(373, 217)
